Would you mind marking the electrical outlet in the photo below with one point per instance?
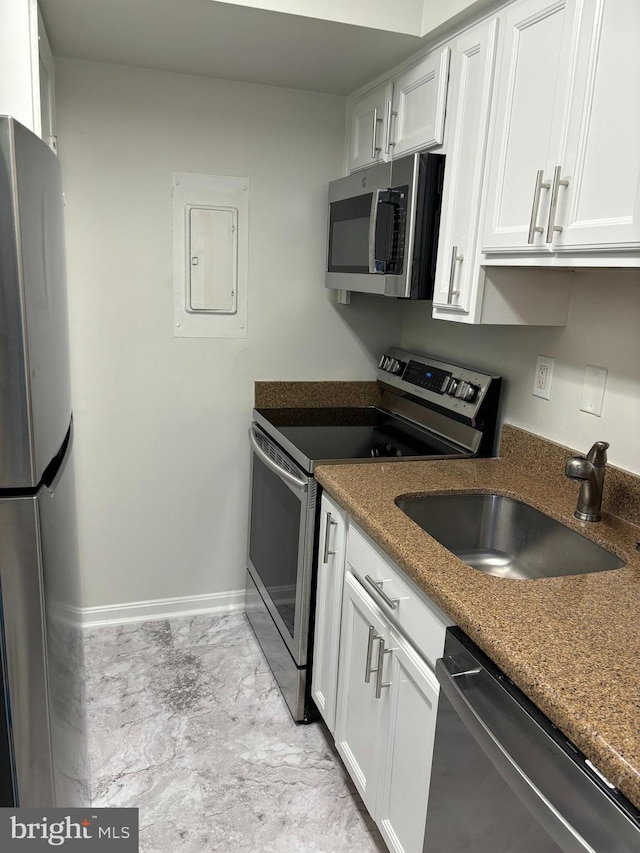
(543, 377)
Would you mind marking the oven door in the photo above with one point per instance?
(281, 531)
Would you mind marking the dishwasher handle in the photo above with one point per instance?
(547, 815)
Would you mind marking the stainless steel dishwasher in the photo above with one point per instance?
(505, 779)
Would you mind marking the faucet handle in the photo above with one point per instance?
(597, 455)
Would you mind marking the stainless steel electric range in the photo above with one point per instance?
(428, 410)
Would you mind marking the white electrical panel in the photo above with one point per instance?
(213, 259)
(210, 255)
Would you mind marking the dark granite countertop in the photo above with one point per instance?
(572, 643)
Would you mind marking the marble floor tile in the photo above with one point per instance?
(203, 630)
(187, 724)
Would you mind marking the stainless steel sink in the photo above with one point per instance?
(505, 537)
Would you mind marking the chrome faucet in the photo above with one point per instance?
(590, 471)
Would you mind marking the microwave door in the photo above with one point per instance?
(353, 206)
(350, 222)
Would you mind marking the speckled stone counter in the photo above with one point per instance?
(280, 395)
(572, 644)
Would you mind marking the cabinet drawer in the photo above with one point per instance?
(415, 614)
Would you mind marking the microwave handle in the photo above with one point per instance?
(373, 226)
(375, 222)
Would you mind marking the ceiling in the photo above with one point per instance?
(217, 39)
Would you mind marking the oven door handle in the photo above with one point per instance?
(302, 485)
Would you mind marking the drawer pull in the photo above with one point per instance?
(376, 586)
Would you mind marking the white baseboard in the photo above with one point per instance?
(162, 608)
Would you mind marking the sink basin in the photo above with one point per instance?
(505, 537)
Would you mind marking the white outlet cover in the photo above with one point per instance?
(543, 377)
(595, 380)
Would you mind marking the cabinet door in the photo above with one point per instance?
(412, 698)
(457, 270)
(538, 46)
(19, 84)
(47, 88)
(368, 139)
(419, 103)
(359, 714)
(324, 679)
(600, 206)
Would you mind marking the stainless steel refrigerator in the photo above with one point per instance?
(42, 710)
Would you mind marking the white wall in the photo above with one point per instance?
(162, 454)
(603, 330)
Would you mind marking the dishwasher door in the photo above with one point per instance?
(504, 779)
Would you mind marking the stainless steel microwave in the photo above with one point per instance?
(383, 228)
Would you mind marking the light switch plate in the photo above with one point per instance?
(595, 380)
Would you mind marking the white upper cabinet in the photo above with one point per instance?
(537, 57)
(402, 115)
(599, 207)
(26, 69)
(419, 103)
(19, 83)
(457, 270)
(368, 139)
(564, 164)
(47, 86)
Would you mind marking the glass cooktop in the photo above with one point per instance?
(354, 433)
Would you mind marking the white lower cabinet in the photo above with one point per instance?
(387, 693)
(324, 678)
(407, 748)
(360, 716)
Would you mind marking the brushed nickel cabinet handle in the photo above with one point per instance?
(387, 137)
(376, 586)
(327, 536)
(455, 259)
(381, 653)
(368, 668)
(539, 186)
(553, 207)
(375, 148)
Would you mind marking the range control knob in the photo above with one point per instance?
(392, 365)
(466, 391)
(452, 387)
